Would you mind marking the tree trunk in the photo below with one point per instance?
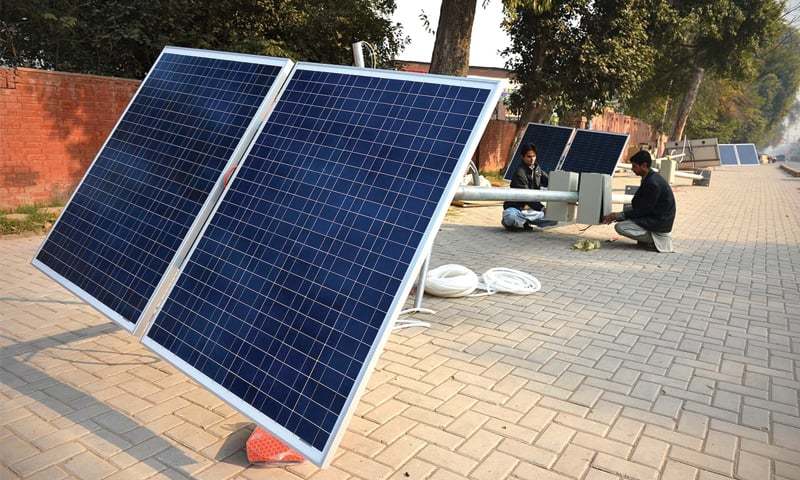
(687, 103)
(453, 35)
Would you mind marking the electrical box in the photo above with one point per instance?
(561, 181)
(666, 168)
(594, 198)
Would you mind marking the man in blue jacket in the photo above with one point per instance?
(649, 218)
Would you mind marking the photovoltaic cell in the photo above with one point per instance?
(747, 154)
(139, 198)
(594, 152)
(288, 294)
(727, 155)
(550, 143)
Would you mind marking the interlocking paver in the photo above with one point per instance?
(627, 364)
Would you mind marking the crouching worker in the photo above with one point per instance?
(529, 175)
(649, 218)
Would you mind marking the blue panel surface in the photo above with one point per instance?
(727, 155)
(747, 154)
(550, 143)
(594, 152)
(133, 209)
(287, 288)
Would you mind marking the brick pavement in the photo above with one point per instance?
(628, 364)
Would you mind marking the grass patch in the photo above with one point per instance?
(26, 219)
(495, 177)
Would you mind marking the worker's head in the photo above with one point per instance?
(640, 163)
(529, 154)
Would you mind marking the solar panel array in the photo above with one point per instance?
(738, 154)
(594, 152)
(727, 154)
(550, 142)
(134, 207)
(569, 149)
(289, 291)
(747, 154)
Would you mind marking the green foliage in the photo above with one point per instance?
(577, 56)
(727, 38)
(733, 110)
(27, 218)
(123, 37)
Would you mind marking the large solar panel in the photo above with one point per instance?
(594, 152)
(193, 114)
(727, 154)
(288, 295)
(747, 154)
(550, 142)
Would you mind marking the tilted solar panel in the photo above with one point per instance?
(748, 155)
(594, 152)
(550, 142)
(193, 114)
(289, 293)
(727, 154)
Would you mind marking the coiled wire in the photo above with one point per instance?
(453, 280)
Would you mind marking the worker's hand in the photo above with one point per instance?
(610, 218)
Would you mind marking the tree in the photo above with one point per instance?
(454, 32)
(123, 37)
(733, 109)
(577, 57)
(695, 38)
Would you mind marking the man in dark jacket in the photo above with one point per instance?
(529, 175)
(649, 218)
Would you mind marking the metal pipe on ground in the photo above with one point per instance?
(487, 194)
(679, 173)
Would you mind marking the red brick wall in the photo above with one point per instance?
(493, 150)
(51, 126)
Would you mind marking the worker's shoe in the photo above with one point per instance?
(542, 223)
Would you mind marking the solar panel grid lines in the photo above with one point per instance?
(153, 179)
(289, 292)
(593, 151)
(551, 142)
(728, 154)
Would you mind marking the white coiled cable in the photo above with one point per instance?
(459, 281)
(508, 280)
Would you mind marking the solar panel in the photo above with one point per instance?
(288, 295)
(747, 154)
(727, 154)
(192, 115)
(550, 141)
(594, 152)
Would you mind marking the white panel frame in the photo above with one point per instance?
(517, 145)
(619, 158)
(322, 458)
(739, 159)
(214, 194)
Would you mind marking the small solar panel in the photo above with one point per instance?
(192, 115)
(289, 294)
(727, 154)
(594, 152)
(748, 155)
(550, 142)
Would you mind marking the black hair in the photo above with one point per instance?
(641, 157)
(527, 148)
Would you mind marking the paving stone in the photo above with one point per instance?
(683, 364)
(89, 466)
(46, 459)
